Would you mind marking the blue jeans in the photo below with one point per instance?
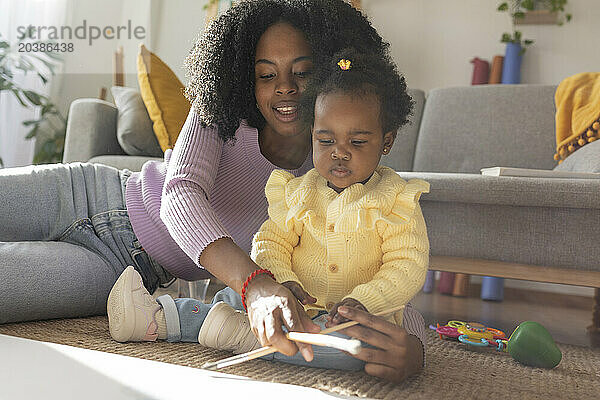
(185, 319)
(65, 237)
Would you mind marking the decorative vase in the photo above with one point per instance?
(429, 282)
(446, 283)
(511, 68)
(496, 70)
(492, 288)
(481, 71)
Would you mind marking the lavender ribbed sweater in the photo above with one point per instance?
(209, 190)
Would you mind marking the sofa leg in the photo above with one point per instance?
(595, 327)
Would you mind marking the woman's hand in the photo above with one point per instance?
(271, 305)
(397, 354)
(301, 294)
(334, 318)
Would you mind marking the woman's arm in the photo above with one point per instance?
(270, 305)
(398, 353)
(197, 229)
(191, 174)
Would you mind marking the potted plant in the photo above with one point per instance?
(516, 45)
(51, 125)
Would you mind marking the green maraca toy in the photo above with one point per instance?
(531, 344)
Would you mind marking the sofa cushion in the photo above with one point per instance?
(91, 130)
(509, 190)
(134, 127)
(468, 128)
(162, 93)
(585, 159)
(400, 158)
(549, 222)
(546, 236)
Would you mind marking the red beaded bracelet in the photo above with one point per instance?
(252, 276)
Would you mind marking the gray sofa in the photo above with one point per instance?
(539, 229)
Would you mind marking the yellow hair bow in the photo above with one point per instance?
(344, 64)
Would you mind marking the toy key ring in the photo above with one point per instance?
(472, 341)
(456, 324)
(497, 333)
(501, 345)
(447, 331)
(478, 334)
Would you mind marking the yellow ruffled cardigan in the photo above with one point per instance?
(368, 242)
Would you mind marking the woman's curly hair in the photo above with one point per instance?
(220, 66)
(366, 73)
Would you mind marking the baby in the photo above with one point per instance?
(349, 232)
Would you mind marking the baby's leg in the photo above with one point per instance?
(324, 357)
(229, 296)
(185, 316)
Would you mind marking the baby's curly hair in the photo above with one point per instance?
(220, 66)
(367, 73)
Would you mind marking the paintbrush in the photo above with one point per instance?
(311, 338)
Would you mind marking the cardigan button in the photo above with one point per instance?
(333, 267)
(331, 227)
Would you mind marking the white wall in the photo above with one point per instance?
(89, 68)
(175, 31)
(433, 41)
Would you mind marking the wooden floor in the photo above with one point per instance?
(565, 318)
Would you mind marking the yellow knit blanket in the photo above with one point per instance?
(577, 113)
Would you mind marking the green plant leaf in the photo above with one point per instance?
(43, 78)
(528, 4)
(18, 96)
(46, 108)
(33, 97)
(506, 38)
(518, 36)
(527, 42)
(51, 122)
(568, 17)
(33, 132)
(519, 15)
(503, 6)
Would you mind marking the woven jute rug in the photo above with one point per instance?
(453, 371)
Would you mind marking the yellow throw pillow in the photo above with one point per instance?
(163, 97)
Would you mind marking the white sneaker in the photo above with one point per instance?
(227, 329)
(131, 309)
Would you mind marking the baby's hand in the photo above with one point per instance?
(302, 296)
(334, 318)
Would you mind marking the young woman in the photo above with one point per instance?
(68, 231)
